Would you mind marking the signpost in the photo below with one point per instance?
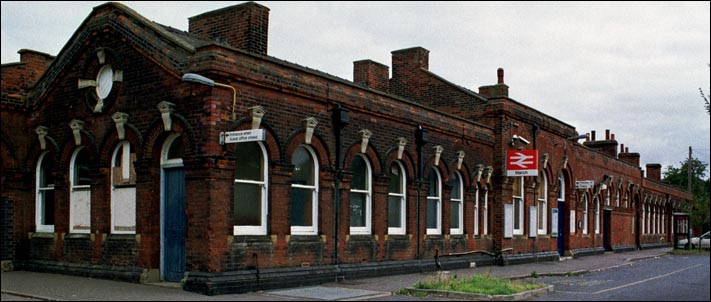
(242, 136)
(522, 163)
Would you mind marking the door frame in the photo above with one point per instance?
(165, 164)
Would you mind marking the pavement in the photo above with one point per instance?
(33, 286)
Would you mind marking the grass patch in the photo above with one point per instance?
(695, 251)
(481, 284)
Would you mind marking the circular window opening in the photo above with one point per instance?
(104, 81)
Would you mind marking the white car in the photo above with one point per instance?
(695, 241)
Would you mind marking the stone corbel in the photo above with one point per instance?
(478, 170)
(101, 55)
(565, 162)
(488, 171)
(310, 124)
(365, 135)
(438, 152)
(166, 108)
(77, 126)
(545, 160)
(401, 142)
(120, 119)
(41, 134)
(257, 114)
(460, 159)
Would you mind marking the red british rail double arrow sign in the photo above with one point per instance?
(522, 163)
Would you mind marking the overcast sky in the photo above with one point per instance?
(634, 68)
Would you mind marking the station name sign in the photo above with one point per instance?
(244, 136)
(522, 163)
(584, 184)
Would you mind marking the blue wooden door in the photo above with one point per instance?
(561, 228)
(174, 224)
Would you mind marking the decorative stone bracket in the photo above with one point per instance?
(365, 135)
(438, 152)
(120, 119)
(545, 160)
(41, 134)
(77, 126)
(460, 159)
(401, 142)
(478, 170)
(488, 171)
(166, 108)
(257, 114)
(310, 124)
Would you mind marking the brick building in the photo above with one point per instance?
(115, 165)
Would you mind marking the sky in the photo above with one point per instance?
(634, 68)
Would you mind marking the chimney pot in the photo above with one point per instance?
(500, 75)
(592, 135)
(607, 134)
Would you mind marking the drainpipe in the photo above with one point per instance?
(340, 121)
(421, 138)
(536, 129)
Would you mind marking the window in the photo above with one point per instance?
(456, 206)
(596, 204)
(585, 214)
(476, 211)
(396, 200)
(44, 183)
(542, 203)
(360, 196)
(518, 205)
(617, 198)
(486, 211)
(80, 196)
(642, 222)
(434, 203)
(249, 204)
(123, 190)
(304, 192)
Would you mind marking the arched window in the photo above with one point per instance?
(360, 196)
(486, 211)
(456, 205)
(518, 205)
(44, 184)
(123, 190)
(434, 203)
(596, 204)
(396, 200)
(80, 196)
(304, 192)
(476, 211)
(542, 203)
(249, 207)
(585, 214)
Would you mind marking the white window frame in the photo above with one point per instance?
(438, 200)
(476, 211)
(585, 214)
(486, 211)
(402, 196)
(40, 196)
(460, 205)
(518, 202)
(313, 229)
(122, 192)
(543, 205)
(617, 197)
(365, 230)
(596, 204)
(264, 185)
(80, 202)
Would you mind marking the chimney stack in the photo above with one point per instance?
(371, 74)
(498, 90)
(654, 171)
(244, 26)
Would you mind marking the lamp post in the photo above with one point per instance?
(196, 78)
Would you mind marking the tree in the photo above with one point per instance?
(699, 211)
(706, 98)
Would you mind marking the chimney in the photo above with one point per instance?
(244, 26)
(407, 77)
(371, 74)
(630, 158)
(607, 146)
(498, 90)
(654, 171)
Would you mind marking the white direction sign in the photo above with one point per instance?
(584, 184)
(242, 136)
